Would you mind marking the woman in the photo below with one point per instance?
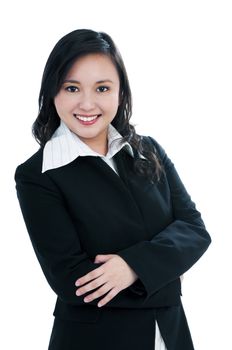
(110, 221)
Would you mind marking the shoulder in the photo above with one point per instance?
(154, 144)
(33, 163)
(31, 168)
(30, 179)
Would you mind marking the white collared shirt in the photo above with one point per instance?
(64, 146)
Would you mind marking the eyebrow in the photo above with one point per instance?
(97, 82)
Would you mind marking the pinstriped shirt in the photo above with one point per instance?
(65, 146)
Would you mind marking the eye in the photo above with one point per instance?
(103, 88)
(71, 89)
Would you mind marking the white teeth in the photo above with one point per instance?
(86, 119)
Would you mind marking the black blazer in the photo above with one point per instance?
(82, 209)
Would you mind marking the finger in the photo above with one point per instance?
(108, 297)
(89, 276)
(98, 293)
(91, 285)
(103, 257)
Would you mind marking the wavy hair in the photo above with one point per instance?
(68, 49)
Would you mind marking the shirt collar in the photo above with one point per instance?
(64, 146)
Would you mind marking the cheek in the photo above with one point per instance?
(61, 104)
(112, 103)
(57, 103)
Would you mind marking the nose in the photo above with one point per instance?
(86, 102)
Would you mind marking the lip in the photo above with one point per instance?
(86, 115)
(82, 122)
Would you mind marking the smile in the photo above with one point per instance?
(87, 120)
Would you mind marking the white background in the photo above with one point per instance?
(179, 61)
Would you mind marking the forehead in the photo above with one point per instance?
(93, 66)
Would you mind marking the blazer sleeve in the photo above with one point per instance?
(172, 251)
(52, 233)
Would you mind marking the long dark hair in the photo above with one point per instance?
(67, 50)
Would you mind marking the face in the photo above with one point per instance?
(88, 99)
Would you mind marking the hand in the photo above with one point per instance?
(112, 277)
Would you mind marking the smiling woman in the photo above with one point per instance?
(83, 100)
(110, 220)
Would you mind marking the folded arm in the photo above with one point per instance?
(52, 233)
(175, 249)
